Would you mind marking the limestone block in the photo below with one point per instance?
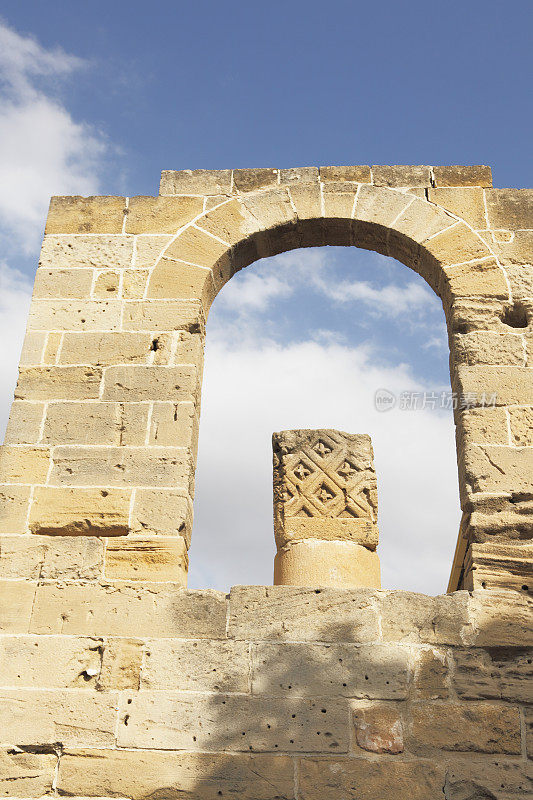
(360, 174)
(418, 221)
(163, 512)
(136, 383)
(121, 609)
(492, 468)
(513, 249)
(521, 280)
(53, 346)
(339, 199)
(24, 426)
(49, 662)
(121, 466)
(500, 673)
(231, 222)
(161, 214)
(484, 347)
(196, 666)
(331, 779)
(107, 284)
(249, 180)
(401, 175)
(33, 347)
(479, 175)
(499, 565)
(121, 664)
(75, 315)
(299, 175)
(457, 245)
(307, 200)
(155, 559)
(477, 777)
(195, 181)
(26, 774)
(502, 619)
(148, 249)
(63, 283)
(501, 517)
(528, 717)
(101, 349)
(324, 487)
(81, 423)
(314, 562)
(58, 510)
(465, 203)
(483, 314)
(85, 215)
(510, 385)
(16, 602)
(70, 717)
(378, 728)
(464, 727)
(134, 283)
(174, 424)
(271, 208)
(58, 383)
(330, 670)
(163, 315)
(431, 675)
(23, 464)
(86, 251)
(173, 279)
(482, 279)
(139, 774)
(169, 720)
(14, 505)
(410, 617)
(132, 424)
(49, 558)
(483, 426)
(521, 421)
(196, 247)
(379, 206)
(301, 614)
(510, 208)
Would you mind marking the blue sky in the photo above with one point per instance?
(99, 97)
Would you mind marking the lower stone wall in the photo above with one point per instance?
(116, 690)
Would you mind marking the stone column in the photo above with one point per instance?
(325, 509)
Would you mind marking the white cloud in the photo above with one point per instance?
(43, 149)
(283, 275)
(254, 388)
(15, 295)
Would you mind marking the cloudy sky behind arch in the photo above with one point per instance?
(98, 101)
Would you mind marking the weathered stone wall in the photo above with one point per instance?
(274, 692)
(118, 682)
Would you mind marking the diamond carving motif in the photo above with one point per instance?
(324, 479)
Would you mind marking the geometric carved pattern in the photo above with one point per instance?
(323, 474)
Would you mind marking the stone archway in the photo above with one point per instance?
(103, 432)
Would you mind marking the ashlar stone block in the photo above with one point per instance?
(324, 487)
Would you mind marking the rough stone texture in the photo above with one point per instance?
(64, 511)
(166, 720)
(462, 176)
(483, 728)
(106, 660)
(324, 487)
(141, 774)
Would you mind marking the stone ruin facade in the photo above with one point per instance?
(117, 681)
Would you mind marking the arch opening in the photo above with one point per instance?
(304, 339)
